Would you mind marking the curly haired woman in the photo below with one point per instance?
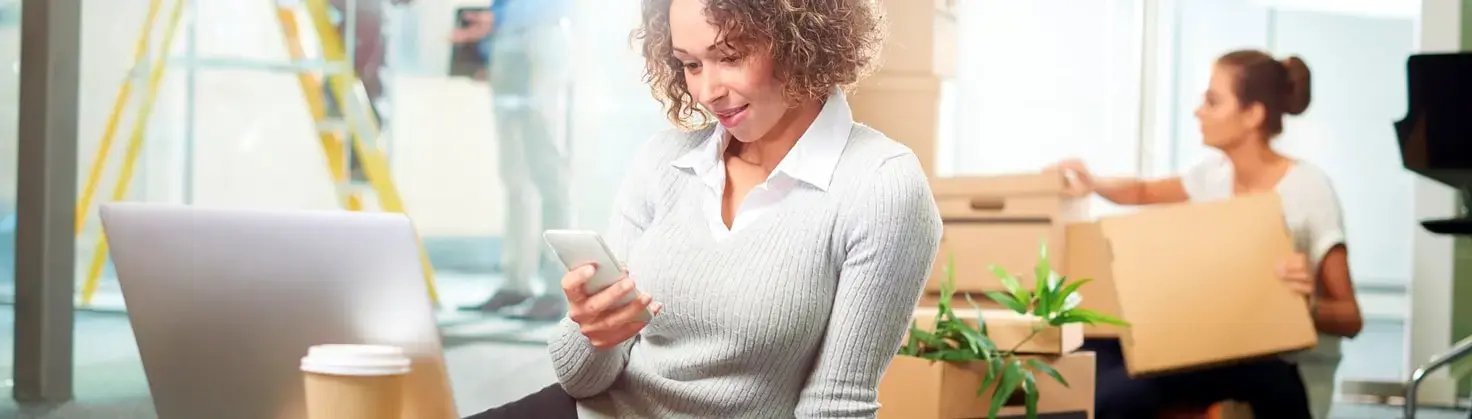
(781, 250)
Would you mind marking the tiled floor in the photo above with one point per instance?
(493, 361)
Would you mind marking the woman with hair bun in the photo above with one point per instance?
(1241, 113)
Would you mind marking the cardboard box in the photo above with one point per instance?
(1198, 283)
(1001, 220)
(904, 108)
(914, 388)
(1087, 257)
(1009, 329)
(922, 37)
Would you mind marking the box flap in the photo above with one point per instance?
(1199, 284)
(1047, 182)
(1087, 257)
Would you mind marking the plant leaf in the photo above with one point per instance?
(973, 338)
(1008, 281)
(1030, 390)
(1007, 301)
(993, 371)
(980, 325)
(1068, 289)
(1011, 378)
(948, 284)
(1094, 317)
(1044, 368)
(1043, 272)
(1045, 306)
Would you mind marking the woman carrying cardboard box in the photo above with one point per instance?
(786, 246)
(1241, 113)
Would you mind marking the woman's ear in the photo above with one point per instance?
(1254, 116)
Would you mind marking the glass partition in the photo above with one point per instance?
(9, 109)
(1357, 57)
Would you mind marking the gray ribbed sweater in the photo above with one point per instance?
(796, 315)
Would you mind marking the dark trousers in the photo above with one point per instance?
(1272, 387)
(549, 403)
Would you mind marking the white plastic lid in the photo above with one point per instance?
(356, 360)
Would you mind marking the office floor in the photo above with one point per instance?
(492, 361)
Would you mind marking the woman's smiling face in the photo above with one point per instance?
(736, 85)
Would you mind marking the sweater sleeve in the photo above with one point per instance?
(893, 234)
(583, 370)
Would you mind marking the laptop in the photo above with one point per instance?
(224, 303)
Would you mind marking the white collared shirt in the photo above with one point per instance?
(810, 162)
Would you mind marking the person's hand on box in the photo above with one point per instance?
(1295, 274)
(1080, 182)
(599, 318)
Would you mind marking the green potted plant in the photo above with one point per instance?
(1053, 300)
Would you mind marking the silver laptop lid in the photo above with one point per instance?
(224, 303)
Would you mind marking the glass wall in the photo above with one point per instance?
(1048, 80)
(1080, 62)
(487, 136)
(1357, 58)
(492, 137)
(9, 109)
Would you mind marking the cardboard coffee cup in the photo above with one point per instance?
(355, 381)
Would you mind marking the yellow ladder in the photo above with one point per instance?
(340, 141)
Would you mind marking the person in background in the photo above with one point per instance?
(781, 251)
(1241, 113)
(528, 51)
(369, 43)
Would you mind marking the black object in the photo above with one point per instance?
(1271, 386)
(1066, 415)
(1436, 134)
(552, 402)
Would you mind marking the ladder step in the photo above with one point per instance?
(354, 187)
(332, 126)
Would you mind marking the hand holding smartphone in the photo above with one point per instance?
(607, 303)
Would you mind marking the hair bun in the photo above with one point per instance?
(1299, 88)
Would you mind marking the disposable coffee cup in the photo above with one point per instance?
(355, 381)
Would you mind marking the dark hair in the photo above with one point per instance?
(1282, 87)
(816, 45)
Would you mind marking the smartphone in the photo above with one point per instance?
(580, 247)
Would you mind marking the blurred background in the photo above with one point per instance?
(1111, 81)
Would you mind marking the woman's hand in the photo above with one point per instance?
(1295, 274)
(601, 320)
(1080, 182)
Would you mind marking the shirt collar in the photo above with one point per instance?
(812, 160)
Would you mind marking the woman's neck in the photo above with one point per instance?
(1256, 166)
(769, 150)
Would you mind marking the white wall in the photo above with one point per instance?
(1431, 283)
(1357, 60)
(254, 142)
(9, 110)
(1071, 90)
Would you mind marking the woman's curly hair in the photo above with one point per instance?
(816, 45)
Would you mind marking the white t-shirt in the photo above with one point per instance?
(1311, 210)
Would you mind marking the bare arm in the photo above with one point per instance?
(1133, 191)
(1120, 190)
(1337, 311)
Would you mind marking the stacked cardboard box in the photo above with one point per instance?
(1001, 220)
(902, 98)
(915, 388)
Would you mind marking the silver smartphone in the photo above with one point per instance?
(580, 247)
